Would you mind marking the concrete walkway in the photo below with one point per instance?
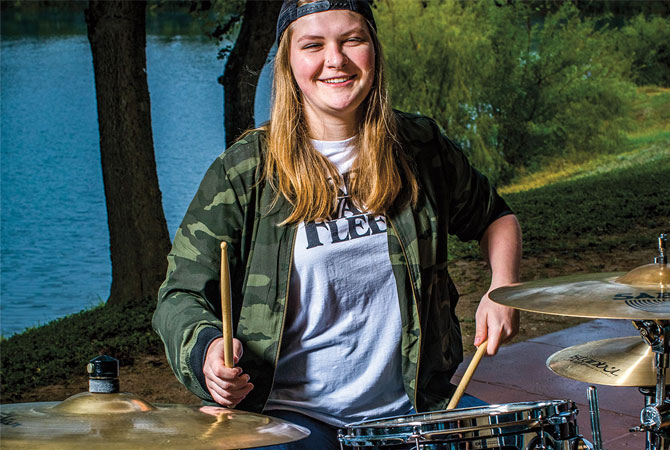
(518, 373)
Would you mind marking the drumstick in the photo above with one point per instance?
(226, 307)
(467, 375)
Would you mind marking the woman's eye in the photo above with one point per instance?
(311, 46)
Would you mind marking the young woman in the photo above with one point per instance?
(336, 215)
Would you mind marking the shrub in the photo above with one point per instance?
(514, 89)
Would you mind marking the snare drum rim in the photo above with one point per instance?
(502, 408)
(509, 418)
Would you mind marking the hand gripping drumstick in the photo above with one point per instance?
(226, 307)
(467, 375)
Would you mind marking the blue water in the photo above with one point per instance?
(54, 241)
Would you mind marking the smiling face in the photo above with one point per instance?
(332, 58)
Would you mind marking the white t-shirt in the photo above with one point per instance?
(340, 359)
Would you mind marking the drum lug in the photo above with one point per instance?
(543, 440)
(417, 436)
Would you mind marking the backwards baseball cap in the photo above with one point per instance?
(290, 11)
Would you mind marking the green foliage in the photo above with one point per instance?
(512, 88)
(647, 41)
(558, 89)
(434, 52)
(600, 212)
(61, 349)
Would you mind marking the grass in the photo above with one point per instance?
(649, 141)
(568, 205)
(598, 211)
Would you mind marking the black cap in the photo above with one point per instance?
(290, 11)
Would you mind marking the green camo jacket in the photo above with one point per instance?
(233, 205)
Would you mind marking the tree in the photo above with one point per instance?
(139, 239)
(245, 63)
(514, 91)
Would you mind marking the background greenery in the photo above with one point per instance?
(518, 85)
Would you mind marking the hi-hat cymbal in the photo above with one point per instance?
(122, 421)
(641, 294)
(625, 361)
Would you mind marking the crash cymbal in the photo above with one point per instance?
(641, 294)
(123, 421)
(624, 361)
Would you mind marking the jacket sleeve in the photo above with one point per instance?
(187, 317)
(474, 202)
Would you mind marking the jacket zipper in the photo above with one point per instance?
(416, 307)
(283, 320)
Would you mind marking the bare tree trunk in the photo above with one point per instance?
(139, 239)
(245, 63)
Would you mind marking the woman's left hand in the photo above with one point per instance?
(495, 322)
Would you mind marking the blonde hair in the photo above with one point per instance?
(306, 178)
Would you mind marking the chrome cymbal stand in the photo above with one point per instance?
(655, 416)
(594, 410)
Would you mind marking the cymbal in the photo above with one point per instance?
(624, 361)
(123, 421)
(641, 294)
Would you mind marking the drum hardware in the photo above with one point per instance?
(662, 258)
(657, 335)
(594, 413)
(521, 426)
(105, 418)
(416, 436)
(641, 295)
(651, 436)
(655, 416)
(543, 437)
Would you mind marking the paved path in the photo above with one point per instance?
(518, 373)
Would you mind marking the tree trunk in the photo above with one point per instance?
(245, 63)
(139, 240)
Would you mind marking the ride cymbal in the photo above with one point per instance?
(641, 294)
(624, 361)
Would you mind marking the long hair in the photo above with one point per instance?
(306, 178)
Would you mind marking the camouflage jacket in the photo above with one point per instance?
(233, 204)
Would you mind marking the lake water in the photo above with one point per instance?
(54, 241)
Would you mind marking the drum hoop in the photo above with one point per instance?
(511, 418)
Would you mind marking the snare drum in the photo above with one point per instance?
(512, 426)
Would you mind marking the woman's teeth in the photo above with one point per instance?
(336, 80)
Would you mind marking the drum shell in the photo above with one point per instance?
(518, 426)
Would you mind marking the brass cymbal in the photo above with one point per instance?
(641, 294)
(123, 421)
(624, 361)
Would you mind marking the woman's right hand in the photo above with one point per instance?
(228, 387)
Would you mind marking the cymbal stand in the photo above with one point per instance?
(594, 410)
(655, 416)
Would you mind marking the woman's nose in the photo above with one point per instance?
(335, 57)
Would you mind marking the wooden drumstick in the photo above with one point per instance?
(226, 309)
(467, 375)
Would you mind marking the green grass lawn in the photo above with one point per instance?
(648, 141)
(600, 203)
